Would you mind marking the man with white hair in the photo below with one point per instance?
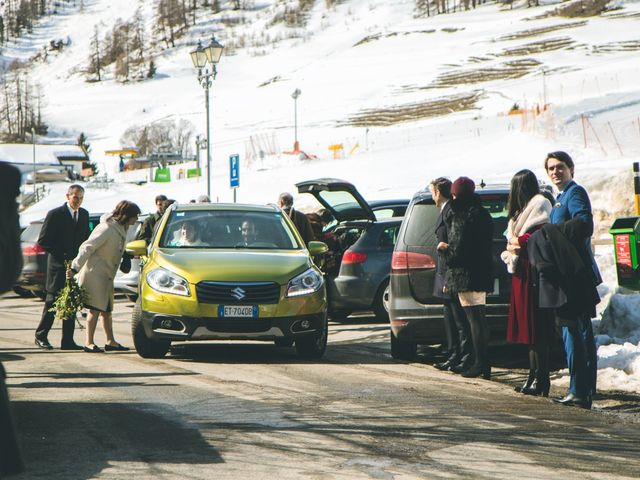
(299, 219)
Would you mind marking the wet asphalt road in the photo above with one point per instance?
(234, 410)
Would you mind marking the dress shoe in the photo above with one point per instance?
(478, 371)
(115, 348)
(44, 344)
(572, 400)
(70, 346)
(460, 368)
(446, 365)
(94, 349)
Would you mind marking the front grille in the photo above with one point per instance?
(238, 293)
(239, 325)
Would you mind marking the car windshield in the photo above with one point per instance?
(196, 229)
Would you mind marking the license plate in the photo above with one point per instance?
(243, 311)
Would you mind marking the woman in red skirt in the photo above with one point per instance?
(528, 324)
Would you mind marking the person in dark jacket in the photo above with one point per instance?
(470, 267)
(456, 325)
(577, 333)
(299, 219)
(63, 231)
(148, 226)
(10, 267)
(528, 324)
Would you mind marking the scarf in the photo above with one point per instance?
(535, 213)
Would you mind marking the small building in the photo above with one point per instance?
(28, 157)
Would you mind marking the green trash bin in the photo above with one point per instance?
(626, 235)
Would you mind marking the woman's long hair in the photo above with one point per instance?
(524, 186)
(124, 211)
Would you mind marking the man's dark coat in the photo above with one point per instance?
(61, 238)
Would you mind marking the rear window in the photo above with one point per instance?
(421, 225)
(389, 236)
(31, 233)
(421, 228)
(228, 229)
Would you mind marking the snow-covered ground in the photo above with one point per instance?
(586, 67)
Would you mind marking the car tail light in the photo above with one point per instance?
(351, 257)
(34, 249)
(404, 261)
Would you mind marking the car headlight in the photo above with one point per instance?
(305, 283)
(168, 282)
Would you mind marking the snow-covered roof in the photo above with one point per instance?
(23, 153)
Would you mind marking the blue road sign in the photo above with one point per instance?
(234, 170)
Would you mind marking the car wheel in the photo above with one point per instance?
(133, 297)
(283, 342)
(403, 350)
(313, 346)
(145, 346)
(380, 307)
(23, 292)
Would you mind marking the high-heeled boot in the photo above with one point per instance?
(532, 371)
(542, 383)
(480, 339)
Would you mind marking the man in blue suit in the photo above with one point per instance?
(577, 333)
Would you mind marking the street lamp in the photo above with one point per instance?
(33, 141)
(205, 60)
(296, 93)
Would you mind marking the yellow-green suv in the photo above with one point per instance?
(229, 272)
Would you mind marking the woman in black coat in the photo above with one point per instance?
(470, 267)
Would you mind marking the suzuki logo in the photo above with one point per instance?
(239, 293)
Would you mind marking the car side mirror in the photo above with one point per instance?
(317, 248)
(137, 248)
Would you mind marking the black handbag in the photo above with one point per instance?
(125, 264)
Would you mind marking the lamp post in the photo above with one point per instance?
(296, 93)
(33, 141)
(205, 60)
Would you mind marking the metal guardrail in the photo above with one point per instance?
(27, 199)
(102, 182)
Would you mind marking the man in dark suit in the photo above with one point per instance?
(456, 325)
(65, 228)
(299, 219)
(577, 333)
(148, 226)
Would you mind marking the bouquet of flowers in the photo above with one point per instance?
(70, 299)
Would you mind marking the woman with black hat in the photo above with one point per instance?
(470, 268)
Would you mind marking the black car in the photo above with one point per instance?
(34, 270)
(361, 241)
(416, 315)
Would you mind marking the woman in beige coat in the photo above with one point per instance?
(97, 264)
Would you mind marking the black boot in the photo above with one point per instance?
(532, 371)
(527, 384)
(480, 339)
(542, 383)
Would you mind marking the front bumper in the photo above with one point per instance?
(178, 327)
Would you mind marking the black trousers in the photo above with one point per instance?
(46, 322)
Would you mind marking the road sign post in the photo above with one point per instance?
(234, 173)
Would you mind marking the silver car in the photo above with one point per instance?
(127, 283)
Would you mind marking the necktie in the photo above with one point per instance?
(75, 216)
